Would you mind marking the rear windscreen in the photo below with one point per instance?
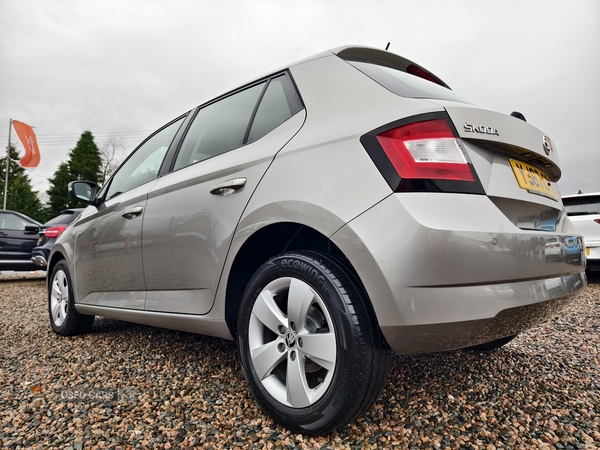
(578, 206)
(405, 84)
(64, 219)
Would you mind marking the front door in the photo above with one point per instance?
(108, 253)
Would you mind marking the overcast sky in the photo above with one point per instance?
(124, 68)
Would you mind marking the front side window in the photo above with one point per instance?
(10, 221)
(144, 164)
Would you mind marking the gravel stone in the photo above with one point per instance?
(127, 386)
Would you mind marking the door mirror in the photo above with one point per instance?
(83, 191)
(32, 229)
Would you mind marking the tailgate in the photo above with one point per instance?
(516, 163)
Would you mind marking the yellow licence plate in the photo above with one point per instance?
(587, 251)
(533, 179)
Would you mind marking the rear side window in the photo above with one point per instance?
(278, 104)
(404, 84)
(579, 206)
(238, 119)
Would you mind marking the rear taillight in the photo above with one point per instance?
(427, 150)
(597, 221)
(54, 232)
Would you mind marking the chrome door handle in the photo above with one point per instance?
(228, 187)
(133, 212)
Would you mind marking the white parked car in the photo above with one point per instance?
(584, 212)
(555, 248)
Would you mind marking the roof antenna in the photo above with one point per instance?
(387, 46)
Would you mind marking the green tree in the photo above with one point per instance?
(84, 164)
(58, 195)
(20, 196)
(84, 159)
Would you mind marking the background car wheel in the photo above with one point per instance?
(64, 318)
(493, 344)
(310, 347)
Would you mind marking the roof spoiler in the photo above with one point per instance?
(387, 59)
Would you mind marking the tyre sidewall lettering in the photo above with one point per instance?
(341, 384)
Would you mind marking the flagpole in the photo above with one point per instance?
(7, 163)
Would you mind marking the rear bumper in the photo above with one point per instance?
(447, 271)
(521, 306)
(18, 265)
(593, 255)
(39, 261)
(40, 255)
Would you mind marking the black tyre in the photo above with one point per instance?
(64, 318)
(493, 344)
(310, 347)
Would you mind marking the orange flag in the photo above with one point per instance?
(27, 137)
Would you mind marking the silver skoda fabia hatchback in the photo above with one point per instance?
(343, 206)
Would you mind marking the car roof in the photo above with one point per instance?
(347, 51)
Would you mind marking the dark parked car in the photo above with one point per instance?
(52, 230)
(18, 236)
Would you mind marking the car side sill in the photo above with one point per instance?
(183, 322)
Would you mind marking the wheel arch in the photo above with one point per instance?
(63, 249)
(265, 243)
(54, 258)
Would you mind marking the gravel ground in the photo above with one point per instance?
(131, 386)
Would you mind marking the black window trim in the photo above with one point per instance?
(102, 194)
(169, 161)
(253, 115)
(189, 116)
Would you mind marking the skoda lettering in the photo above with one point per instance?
(481, 129)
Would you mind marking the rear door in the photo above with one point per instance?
(193, 211)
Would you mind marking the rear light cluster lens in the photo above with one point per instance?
(597, 221)
(427, 150)
(54, 232)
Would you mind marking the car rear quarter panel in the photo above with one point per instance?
(324, 177)
(440, 259)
